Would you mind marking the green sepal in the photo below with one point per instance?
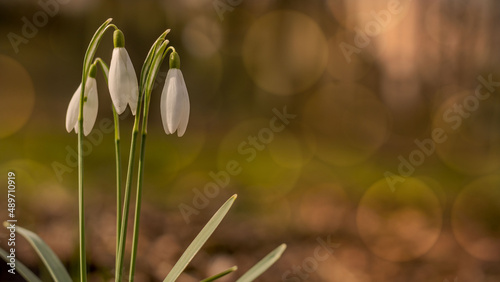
(118, 39)
(174, 61)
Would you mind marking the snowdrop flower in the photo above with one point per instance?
(90, 105)
(122, 81)
(174, 99)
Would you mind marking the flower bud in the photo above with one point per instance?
(118, 39)
(174, 61)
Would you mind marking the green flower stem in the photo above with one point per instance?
(126, 201)
(171, 48)
(138, 199)
(116, 119)
(81, 204)
(89, 55)
(156, 62)
(157, 47)
(118, 177)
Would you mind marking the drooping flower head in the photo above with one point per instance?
(90, 105)
(174, 99)
(122, 81)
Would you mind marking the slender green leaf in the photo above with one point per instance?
(262, 265)
(154, 68)
(94, 43)
(49, 258)
(199, 241)
(222, 274)
(147, 63)
(149, 58)
(21, 268)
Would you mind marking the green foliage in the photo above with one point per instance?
(21, 268)
(220, 275)
(48, 257)
(198, 242)
(56, 269)
(262, 265)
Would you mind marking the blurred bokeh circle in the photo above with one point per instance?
(359, 14)
(344, 66)
(262, 169)
(285, 52)
(291, 149)
(349, 123)
(474, 218)
(399, 225)
(17, 96)
(323, 208)
(469, 124)
(202, 36)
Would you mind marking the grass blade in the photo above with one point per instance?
(199, 241)
(222, 274)
(49, 258)
(262, 265)
(21, 268)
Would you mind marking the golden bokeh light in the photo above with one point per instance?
(202, 37)
(285, 150)
(357, 14)
(467, 121)
(291, 150)
(180, 153)
(336, 271)
(248, 145)
(17, 96)
(345, 67)
(301, 108)
(401, 225)
(474, 218)
(324, 208)
(285, 52)
(348, 121)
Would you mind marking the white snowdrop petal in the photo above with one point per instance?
(163, 105)
(183, 94)
(116, 82)
(174, 102)
(133, 85)
(184, 117)
(167, 89)
(90, 107)
(72, 112)
(133, 105)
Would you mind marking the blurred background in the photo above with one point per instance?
(365, 133)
